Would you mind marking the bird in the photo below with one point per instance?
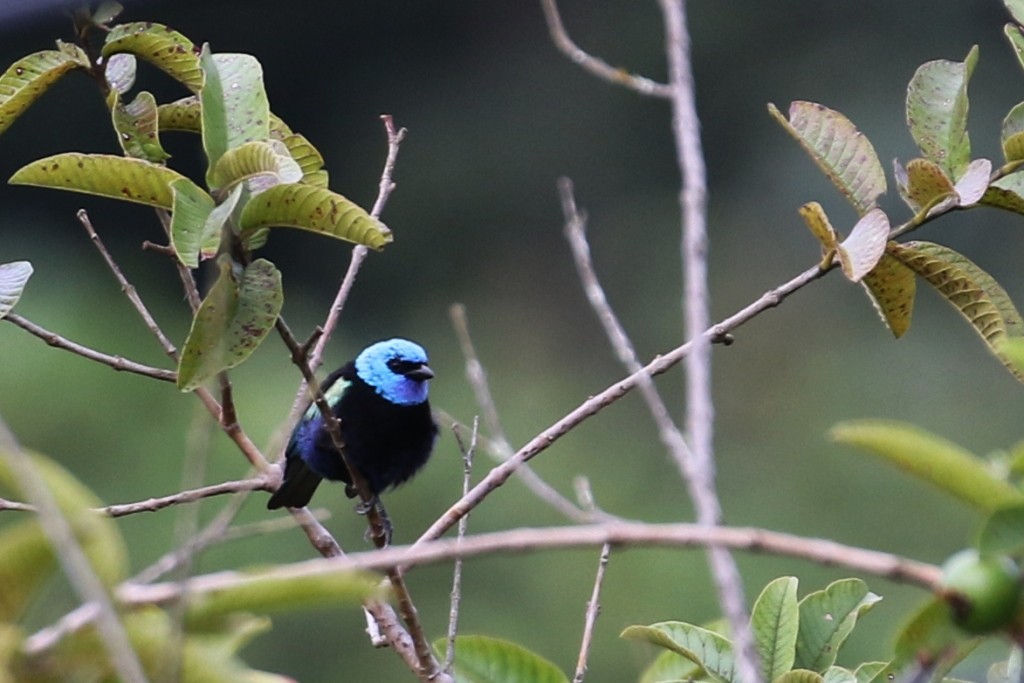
(387, 429)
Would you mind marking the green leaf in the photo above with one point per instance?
(837, 674)
(31, 76)
(928, 638)
(710, 651)
(800, 676)
(481, 659)
(106, 175)
(262, 592)
(970, 290)
(184, 115)
(1013, 134)
(13, 278)
(668, 667)
(308, 158)
(197, 221)
(1002, 532)
(234, 105)
(1016, 37)
(26, 557)
(1016, 8)
(932, 459)
(891, 286)
(136, 127)
(208, 656)
(26, 564)
(826, 619)
(232, 321)
(271, 160)
(937, 112)
(316, 209)
(868, 670)
(840, 150)
(775, 619)
(164, 48)
(859, 253)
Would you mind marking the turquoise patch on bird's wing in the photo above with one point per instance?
(333, 395)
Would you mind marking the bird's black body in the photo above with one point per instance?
(387, 442)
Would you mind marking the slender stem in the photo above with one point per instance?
(186, 496)
(499, 443)
(593, 608)
(595, 65)
(116, 362)
(593, 405)
(829, 553)
(127, 287)
(696, 307)
(456, 595)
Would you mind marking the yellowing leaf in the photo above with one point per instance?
(972, 291)
(315, 209)
(253, 159)
(860, 252)
(891, 287)
(29, 77)
(924, 184)
(838, 148)
(815, 218)
(1013, 134)
(106, 175)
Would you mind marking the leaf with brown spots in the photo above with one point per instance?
(234, 318)
(31, 76)
(937, 112)
(970, 290)
(105, 175)
(316, 209)
(891, 287)
(163, 47)
(839, 149)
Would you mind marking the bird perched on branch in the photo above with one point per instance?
(386, 427)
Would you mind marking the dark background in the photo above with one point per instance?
(495, 116)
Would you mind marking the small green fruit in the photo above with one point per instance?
(983, 591)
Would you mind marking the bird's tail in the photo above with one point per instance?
(297, 488)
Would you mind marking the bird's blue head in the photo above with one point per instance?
(396, 369)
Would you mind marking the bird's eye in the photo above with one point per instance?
(403, 367)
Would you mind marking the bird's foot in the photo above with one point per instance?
(364, 508)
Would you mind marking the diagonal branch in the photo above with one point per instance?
(595, 65)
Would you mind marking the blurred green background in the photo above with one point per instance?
(495, 116)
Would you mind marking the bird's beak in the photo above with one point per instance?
(421, 373)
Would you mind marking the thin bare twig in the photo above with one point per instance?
(593, 608)
(830, 553)
(127, 287)
(468, 451)
(595, 65)
(186, 496)
(696, 309)
(73, 559)
(359, 253)
(499, 444)
(593, 405)
(116, 362)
